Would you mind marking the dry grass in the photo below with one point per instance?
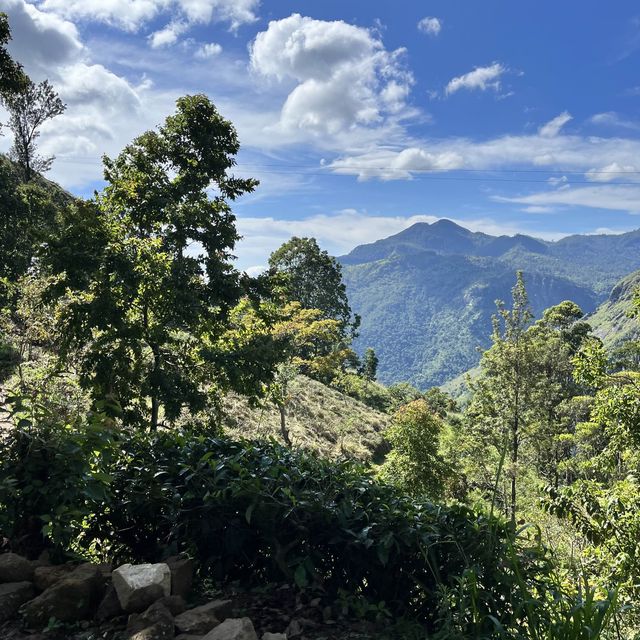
(318, 418)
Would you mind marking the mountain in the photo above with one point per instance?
(611, 321)
(426, 295)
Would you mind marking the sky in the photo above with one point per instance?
(361, 118)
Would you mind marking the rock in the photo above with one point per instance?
(71, 599)
(156, 623)
(12, 596)
(182, 570)
(45, 577)
(204, 618)
(274, 636)
(294, 629)
(109, 606)
(139, 586)
(233, 629)
(15, 568)
(175, 604)
(188, 636)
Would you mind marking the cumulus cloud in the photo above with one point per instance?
(168, 35)
(480, 79)
(104, 110)
(132, 15)
(339, 77)
(431, 26)
(209, 50)
(553, 127)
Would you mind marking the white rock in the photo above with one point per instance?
(233, 629)
(139, 586)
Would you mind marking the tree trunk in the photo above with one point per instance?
(283, 425)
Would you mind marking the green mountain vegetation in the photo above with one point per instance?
(443, 280)
(611, 321)
(155, 402)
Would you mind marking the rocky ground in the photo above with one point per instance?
(40, 601)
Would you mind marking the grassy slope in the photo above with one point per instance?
(610, 321)
(319, 418)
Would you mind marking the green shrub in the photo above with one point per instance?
(260, 512)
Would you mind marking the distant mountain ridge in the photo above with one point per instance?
(426, 294)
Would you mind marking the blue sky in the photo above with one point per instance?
(360, 118)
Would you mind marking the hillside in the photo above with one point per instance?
(611, 322)
(319, 418)
(443, 280)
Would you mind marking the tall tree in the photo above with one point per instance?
(12, 77)
(370, 364)
(504, 394)
(314, 279)
(143, 311)
(29, 108)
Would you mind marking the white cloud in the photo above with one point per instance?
(209, 50)
(168, 35)
(431, 26)
(481, 78)
(340, 232)
(339, 79)
(613, 119)
(614, 171)
(569, 153)
(132, 15)
(104, 110)
(616, 197)
(553, 127)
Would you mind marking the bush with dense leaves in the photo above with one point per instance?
(260, 512)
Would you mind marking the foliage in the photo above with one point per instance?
(12, 77)
(369, 367)
(442, 281)
(314, 279)
(144, 314)
(251, 511)
(414, 463)
(30, 108)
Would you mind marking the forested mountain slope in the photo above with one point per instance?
(426, 295)
(611, 321)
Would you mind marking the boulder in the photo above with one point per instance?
(45, 577)
(156, 623)
(182, 570)
(139, 586)
(175, 604)
(233, 629)
(274, 636)
(12, 596)
(71, 599)
(201, 620)
(15, 568)
(109, 606)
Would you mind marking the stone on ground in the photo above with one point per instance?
(274, 636)
(71, 599)
(139, 586)
(12, 596)
(109, 606)
(15, 568)
(45, 577)
(233, 629)
(156, 623)
(201, 620)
